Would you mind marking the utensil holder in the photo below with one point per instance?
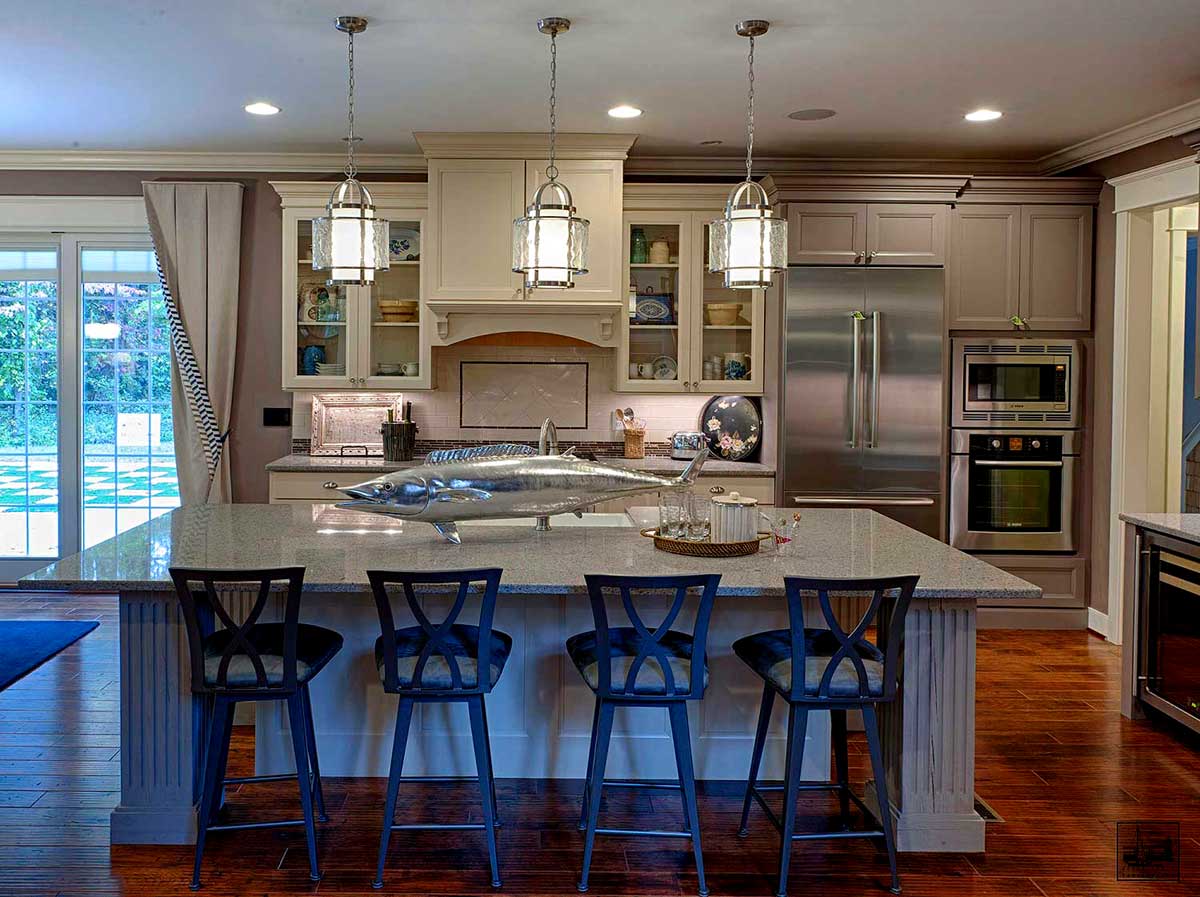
(399, 440)
(635, 443)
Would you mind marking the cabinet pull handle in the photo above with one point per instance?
(716, 490)
(871, 255)
(329, 485)
(687, 386)
(858, 257)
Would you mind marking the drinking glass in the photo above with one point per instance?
(699, 517)
(670, 514)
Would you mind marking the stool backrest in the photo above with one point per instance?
(204, 595)
(647, 641)
(437, 642)
(884, 612)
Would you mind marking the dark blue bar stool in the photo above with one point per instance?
(252, 661)
(840, 671)
(440, 663)
(636, 666)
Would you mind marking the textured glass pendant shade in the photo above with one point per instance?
(550, 242)
(349, 241)
(749, 243)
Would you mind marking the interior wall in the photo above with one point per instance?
(1100, 425)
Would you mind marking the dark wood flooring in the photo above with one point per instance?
(1054, 758)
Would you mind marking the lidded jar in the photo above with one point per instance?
(734, 518)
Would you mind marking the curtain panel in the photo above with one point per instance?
(197, 233)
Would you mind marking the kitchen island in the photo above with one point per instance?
(540, 711)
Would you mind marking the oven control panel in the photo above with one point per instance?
(1016, 447)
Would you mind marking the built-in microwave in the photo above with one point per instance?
(1016, 383)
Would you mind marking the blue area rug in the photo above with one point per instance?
(27, 644)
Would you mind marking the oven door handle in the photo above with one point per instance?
(985, 463)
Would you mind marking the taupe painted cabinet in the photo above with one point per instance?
(1032, 262)
(843, 233)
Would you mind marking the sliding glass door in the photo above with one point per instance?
(86, 439)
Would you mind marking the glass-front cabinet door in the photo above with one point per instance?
(352, 337)
(318, 333)
(656, 326)
(390, 353)
(728, 328)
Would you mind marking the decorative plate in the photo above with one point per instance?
(404, 245)
(655, 309)
(665, 368)
(733, 426)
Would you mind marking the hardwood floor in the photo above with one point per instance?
(1054, 758)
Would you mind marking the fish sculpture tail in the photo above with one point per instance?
(692, 471)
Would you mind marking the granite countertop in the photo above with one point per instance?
(1181, 526)
(337, 547)
(335, 463)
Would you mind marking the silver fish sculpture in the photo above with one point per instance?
(509, 480)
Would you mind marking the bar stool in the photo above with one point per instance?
(252, 661)
(636, 666)
(840, 671)
(440, 663)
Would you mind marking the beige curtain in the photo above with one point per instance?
(197, 232)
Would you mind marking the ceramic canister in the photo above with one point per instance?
(734, 518)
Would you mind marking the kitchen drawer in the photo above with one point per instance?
(1063, 580)
(314, 486)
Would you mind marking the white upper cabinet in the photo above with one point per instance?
(472, 204)
(595, 186)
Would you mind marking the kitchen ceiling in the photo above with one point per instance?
(171, 75)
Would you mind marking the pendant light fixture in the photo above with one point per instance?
(749, 243)
(349, 241)
(550, 241)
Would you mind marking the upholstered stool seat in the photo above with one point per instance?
(315, 647)
(770, 655)
(461, 642)
(623, 653)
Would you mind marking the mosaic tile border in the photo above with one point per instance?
(600, 449)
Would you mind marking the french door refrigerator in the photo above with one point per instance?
(863, 392)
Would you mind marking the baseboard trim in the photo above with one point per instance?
(1097, 622)
(1032, 618)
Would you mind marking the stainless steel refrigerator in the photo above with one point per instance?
(863, 392)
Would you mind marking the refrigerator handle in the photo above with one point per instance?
(873, 438)
(856, 317)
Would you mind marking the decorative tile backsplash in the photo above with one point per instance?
(520, 395)
(438, 412)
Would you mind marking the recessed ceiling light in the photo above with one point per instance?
(261, 107)
(711, 142)
(983, 115)
(812, 114)
(624, 111)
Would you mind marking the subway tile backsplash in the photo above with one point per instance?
(439, 413)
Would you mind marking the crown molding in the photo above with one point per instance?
(676, 197)
(1046, 190)
(735, 167)
(1159, 185)
(864, 187)
(521, 145)
(151, 160)
(1171, 123)
(386, 194)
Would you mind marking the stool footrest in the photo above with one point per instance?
(642, 833)
(621, 783)
(757, 792)
(437, 827)
(239, 826)
(822, 836)
(247, 780)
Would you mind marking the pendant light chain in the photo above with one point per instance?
(552, 169)
(750, 111)
(351, 168)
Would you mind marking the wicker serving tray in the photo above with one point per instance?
(705, 549)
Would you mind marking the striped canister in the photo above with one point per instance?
(734, 518)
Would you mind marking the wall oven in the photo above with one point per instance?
(1169, 629)
(1012, 490)
(1016, 382)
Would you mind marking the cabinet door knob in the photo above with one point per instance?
(717, 490)
(330, 485)
(858, 257)
(871, 255)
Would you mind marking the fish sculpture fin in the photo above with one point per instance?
(569, 453)
(579, 514)
(688, 477)
(449, 531)
(462, 495)
(474, 452)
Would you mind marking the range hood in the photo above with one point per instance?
(592, 321)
